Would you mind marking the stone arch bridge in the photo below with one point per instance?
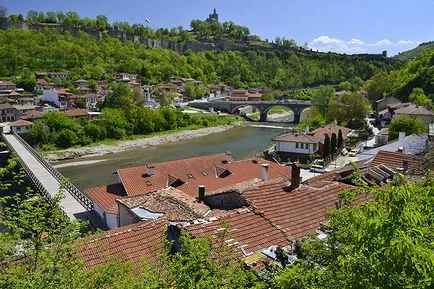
(297, 107)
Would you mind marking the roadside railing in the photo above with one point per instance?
(65, 183)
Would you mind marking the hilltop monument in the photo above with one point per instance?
(214, 17)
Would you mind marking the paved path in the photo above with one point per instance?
(72, 208)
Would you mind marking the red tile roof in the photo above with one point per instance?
(202, 171)
(105, 196)
(247, 232)
(299, 138)
(133, 243)
(395, 160)
(254, 96)
(329, 130)
(76, 112)
(297, 213)
(244, 98)
(136, 182)
(173, 203)
(20, 123)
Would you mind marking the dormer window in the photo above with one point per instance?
(174, 182)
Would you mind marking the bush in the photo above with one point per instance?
(65, 138)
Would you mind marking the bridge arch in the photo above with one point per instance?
(304, 113)
(247, 110)
(278, 108)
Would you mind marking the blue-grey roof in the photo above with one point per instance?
(145, 214)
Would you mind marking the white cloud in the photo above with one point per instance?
(354, 45)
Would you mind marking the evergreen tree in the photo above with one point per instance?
(333, 143)
(326, 150)
(340, 139)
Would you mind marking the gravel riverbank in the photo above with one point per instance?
(92, 151)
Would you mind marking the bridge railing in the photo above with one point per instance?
(35, 181)
(67, 185)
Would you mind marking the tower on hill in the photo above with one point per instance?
(214, 17)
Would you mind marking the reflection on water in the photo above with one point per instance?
(243, 142)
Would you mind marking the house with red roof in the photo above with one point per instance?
(244, 95)
(21, 126)
(213, 171)
(305, 146)
(331, 129)
(272, 213)
(300, 146)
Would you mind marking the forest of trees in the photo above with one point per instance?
(412, 82)
(347, 109)
(25, 52)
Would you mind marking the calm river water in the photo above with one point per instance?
(242, 141)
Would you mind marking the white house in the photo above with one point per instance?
(81, 83)
(21, 126)
(297, 146)
(50, 95)
(412, 144)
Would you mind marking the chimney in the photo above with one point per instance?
(264, 174)
(401, 135)
(405, 165)
(151, 170)
(295, 175)
(201, 193)
(228, 157)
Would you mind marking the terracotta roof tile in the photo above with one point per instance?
(247, 232)
(395, 160)
(20, 123)
(105, 196)
(132, 243)
(329, 130)
(297, 213)
(194, 172)
(76, 112)
(173, 203)
(202, 170)
(299, 137)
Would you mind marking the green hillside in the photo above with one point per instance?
(417, 73)
(415, 52)
(23, 52)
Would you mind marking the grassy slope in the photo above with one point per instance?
(415, 52)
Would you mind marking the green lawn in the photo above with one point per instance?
(278, 109)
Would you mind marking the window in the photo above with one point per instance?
(204, 173)
(148, 183)
(190, 176)
(314, 147)
(297, 145)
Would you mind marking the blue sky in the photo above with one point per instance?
(351, 26)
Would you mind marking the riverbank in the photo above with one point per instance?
(120, 146)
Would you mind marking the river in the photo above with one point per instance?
(243, 142)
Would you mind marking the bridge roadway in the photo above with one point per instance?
(78, 207)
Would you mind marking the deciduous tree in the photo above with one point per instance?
(406, 124)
